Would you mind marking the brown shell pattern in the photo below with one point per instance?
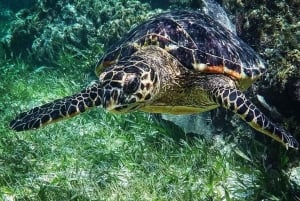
(196, 40)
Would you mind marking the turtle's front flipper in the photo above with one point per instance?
(58, 109)
(236, 101)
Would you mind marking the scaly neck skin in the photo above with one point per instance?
(178, 90)
(167, 69)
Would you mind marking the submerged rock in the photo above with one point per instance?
(16, 5)
(43, 32)
(272, 28)
(196, 124)
(294, 175)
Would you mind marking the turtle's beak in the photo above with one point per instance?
(109, 99)
(106, 100)
(113, 99)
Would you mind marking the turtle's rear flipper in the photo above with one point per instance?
(57, 110)
(236, 101)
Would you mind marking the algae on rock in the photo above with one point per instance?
(272, 28)
(41, 33)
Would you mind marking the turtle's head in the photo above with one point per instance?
(128, 85)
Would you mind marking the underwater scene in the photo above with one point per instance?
(170, 100)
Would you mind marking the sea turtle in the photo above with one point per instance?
(178, 62)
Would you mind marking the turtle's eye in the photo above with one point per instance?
(131, 85)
